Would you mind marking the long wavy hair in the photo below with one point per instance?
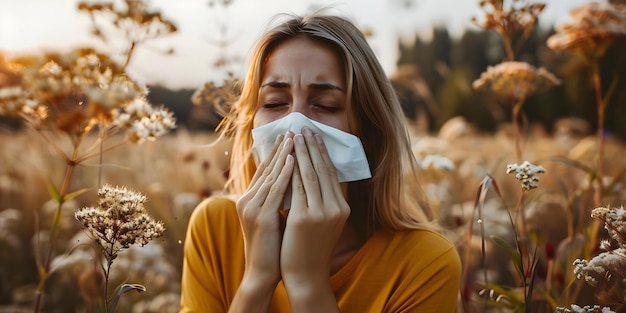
(393, 198)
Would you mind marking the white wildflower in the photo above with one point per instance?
(602, 267)
(144, 122)
(526, 173)
(53, 80)
(138, 107)
(605, 245)
(614, 222)
(119, 221)
(114, 93)
(585, 309)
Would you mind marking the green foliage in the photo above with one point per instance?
(447, 64)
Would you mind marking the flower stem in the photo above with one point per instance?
(521, 220)
(517, 107)
(601, 110)
(106, 285)
(54, 231)
(598, 192)
(508, 46)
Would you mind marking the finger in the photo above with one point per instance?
(277, 189)
(262, 169)
(324, 169)
(298, 195)
(266, 163)
(307, 172)
(333, 183)
(272, 175)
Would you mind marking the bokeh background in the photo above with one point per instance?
(432, 50)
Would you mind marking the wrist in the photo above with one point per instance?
(311, 295)
(253, 295)
(304, 287)
(255, 282)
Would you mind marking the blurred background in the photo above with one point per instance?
(435, 40)
(191, 53)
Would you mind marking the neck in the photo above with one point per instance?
(347, 246)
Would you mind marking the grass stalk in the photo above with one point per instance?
(71, 165)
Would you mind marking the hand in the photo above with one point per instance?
(316, 219)
(258, 214)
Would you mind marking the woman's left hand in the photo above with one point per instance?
(316, 220)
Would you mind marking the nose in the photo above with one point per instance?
(300, 104)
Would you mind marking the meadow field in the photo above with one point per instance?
(179, 170)
(519, 135)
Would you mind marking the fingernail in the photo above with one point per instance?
(287, 141)
(319, 139)
(279, 138)
(306, 131)
(299, 138)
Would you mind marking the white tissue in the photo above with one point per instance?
(345, 150)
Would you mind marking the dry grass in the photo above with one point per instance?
(176, 171)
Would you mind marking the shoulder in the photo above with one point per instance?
(424, 247)
(426, 271)
(214, 210)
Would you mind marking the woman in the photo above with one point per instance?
(363, 246)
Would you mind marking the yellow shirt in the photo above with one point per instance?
(407, 271)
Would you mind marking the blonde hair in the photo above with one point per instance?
(393, 197)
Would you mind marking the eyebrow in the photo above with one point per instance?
(316, 86)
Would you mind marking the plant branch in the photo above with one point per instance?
(71, 165)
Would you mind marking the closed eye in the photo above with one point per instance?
(270, 106)
(331, 109)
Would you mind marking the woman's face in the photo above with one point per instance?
(305, 76)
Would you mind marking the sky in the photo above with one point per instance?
(32, 26)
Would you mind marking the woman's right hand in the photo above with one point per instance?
(259, 216)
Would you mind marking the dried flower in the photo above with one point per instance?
(15, 100)
(110, 92)
(135, 21)
(605, 265)
(119, 221)
(514, 23)
(614, 222)
(509, 20)
(592, 29)
(526, 173)
(601, 267)
(585, 309)
(72, 92)
(516, 79)
(217, 96)
(144, 122)
(605, 245)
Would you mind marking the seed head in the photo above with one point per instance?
(614, 222)
(119, 221)
(516, 79)
(593, 27)
(526, 173)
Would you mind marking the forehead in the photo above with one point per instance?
(305, 56)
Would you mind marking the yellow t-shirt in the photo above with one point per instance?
(407, 271)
